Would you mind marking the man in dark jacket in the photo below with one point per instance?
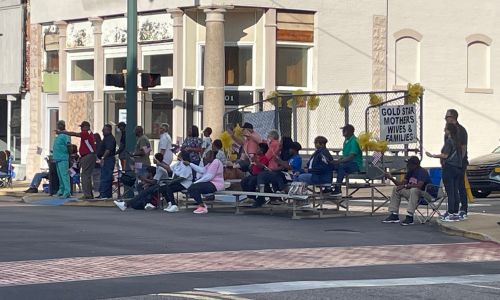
(319, 169)
(106, 154)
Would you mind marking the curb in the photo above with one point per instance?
(453, 230)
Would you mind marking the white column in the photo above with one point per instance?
(98, 100)
(177, 125)
(10, 99)
(214, 79)
(63, 60)
(270, 52)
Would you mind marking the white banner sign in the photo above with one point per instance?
(398, 124)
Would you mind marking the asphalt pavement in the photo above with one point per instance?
(32, 234)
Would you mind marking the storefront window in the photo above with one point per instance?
(115, 65)
(82, 69)
(52, 63)
(160, 64)
(238, 65)
(157, 110)
(115, 108)
(291, 66)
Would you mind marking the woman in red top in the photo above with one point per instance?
(258, 165)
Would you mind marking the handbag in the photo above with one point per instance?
(454, 159)
(298, 189)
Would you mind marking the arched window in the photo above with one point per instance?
(407, 54)
(478, 63)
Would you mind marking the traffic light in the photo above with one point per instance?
(149, 80)
(117, 80)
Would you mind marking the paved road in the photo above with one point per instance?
(96, 253)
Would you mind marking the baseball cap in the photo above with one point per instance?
(413, 160)
(247, 126)
(85, 123)
(348, 127)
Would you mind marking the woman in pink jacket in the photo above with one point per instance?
(211, 180)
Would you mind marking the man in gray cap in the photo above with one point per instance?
(412, 188)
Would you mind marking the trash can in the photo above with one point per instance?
(435, 174)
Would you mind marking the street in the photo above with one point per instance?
(102, 253)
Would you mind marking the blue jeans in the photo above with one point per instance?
(105, 188)
(345, 168)
(310, 178)
(451, 179)
(37, 179)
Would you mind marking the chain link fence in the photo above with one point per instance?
(305, 116)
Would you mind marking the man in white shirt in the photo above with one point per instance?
(182, 179)
(165, 145)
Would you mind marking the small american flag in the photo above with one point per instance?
(376, 157)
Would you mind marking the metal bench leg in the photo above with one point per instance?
(237, 204)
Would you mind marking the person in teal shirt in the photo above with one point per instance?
(60, 156)
(352, 157)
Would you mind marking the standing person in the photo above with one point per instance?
(212, 180)
(351, 161)
(451, 160)
(96, 173)
(61, 158)
(106, 154)
(206, 140)
(192, 144)
(452, 118)
(166, 144)
(122, 153)
(87, 157)
(141, 153)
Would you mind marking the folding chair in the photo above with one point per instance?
(6, 179)
(438, 195)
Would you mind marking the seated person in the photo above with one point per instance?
(150, 182)
(216, 146)
(258, 165)
(412, 188)
(293, 166)
(35, 183)
(272, 176)
(319, 167)
(212, 180)
(182, 178)
(352, 158)
(4, 163)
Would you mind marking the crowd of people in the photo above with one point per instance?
(270, 163)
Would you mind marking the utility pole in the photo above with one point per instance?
(131, 79)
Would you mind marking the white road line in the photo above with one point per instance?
(211, 294)
(310, 285)
(482, 286)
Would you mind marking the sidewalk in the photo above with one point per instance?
(479, 226)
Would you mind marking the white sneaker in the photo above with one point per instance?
(121, 205)
(169, 205)
(172, 209)
(149, 206)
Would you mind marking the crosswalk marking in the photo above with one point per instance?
(311, 285)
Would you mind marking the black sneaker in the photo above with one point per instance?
(407, 221)
(336, 192)
(327, 191)
(31, 190)
(392, 218)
